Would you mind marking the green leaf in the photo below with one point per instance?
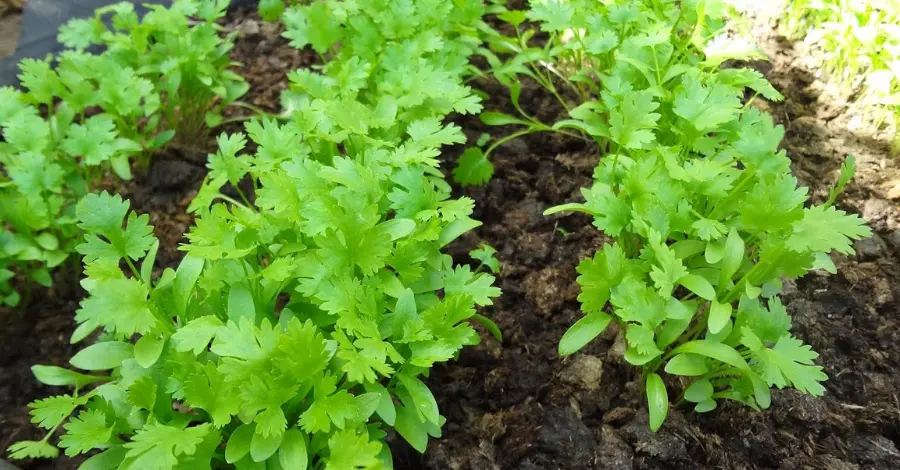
(823, 229)
(706, 108)
(49, 412)
(185, 278)
(366, 405)
(241, 303)
(699, 285)
(791, 361)
(657, 401)
(107, 460)
(718, 351)
(386, 409)
(120, 306)
(699, 391)
(489, 324)
(239, 443)
(196, 335)
(158, 445)
(102, 356)
(271, 11)
(631, 122)
(32, 450)
(349, 450)
(473, 168)
(411, 428)
(501, 119)
(719, 316)
(456, 228)
(513, 17)
(147, 350)
(486, 255)
(583, 332)
(263, 447)
(425, 404)
(598, 276)
(848, 169)
(86, 432)
(147, 264)
(102, 214)
(293, 453)
(688, 365)
(52, 375)
(705, 406)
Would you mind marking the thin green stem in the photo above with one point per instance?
(243, 196)
(231, 200)
(134, 269)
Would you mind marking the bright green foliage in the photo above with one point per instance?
(609, 64)
(163, 75)
(170, 68)
(389, 64)
(272, 10)
(300, 323)
(704, 214)
(860, 44)
(312, 312)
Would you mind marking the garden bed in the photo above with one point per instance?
(518, 405)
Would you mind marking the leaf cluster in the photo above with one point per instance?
(705, 215)
(296, 330)
(859, 42)
(87, 115)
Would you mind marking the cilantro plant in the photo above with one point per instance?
(704, 214)
(602, 62)
(297, 328)
(860, 43)
(293, 331)
(93, 113)
(165, 74)
(46, 164)
(387, 64)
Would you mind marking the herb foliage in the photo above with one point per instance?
(705, 216)
(298, 327)
(89, 115)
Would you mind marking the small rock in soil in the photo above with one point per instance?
(877, 209)
(250, 27)
(613, 453)
(585, 371)
(617, 351)
(517, 147)
(873, 449)
(270, 30)
(618, 415)
(662, 444)
(533, 248)
(564, 434)
(869, 249)
(893, 239)
(492, 426)
(803, 407)
(894, 192)
(548, 288)
(168, 174)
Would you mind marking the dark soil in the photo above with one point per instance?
(518, 405)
